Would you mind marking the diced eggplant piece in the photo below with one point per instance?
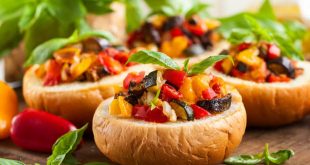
(281, 65)
(217, 104)
(150, 80)
(94, 44)
(242, 67)
(173, 22)
(194, 50)
(182, 110)
(133, 100)
(206, 40)
(136, 89)
(150, 33)
(263, 52)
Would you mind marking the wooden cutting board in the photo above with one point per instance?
(295, 136)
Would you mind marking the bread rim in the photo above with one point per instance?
(76, 101)
(274, 104)
(204, 141)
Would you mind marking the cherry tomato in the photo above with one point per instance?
(168, 93)
(156, 115)
(209, 94)
(199, 112)
(176, 32)
(111, 65)
(243, 46)
(273, 52)
(139, 111)
(175, 77)
(53, 73)
(133, 77)
(38, 130)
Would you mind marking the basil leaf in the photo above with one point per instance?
(97, 163)
(277, 157)
(66, 11)
(295, 29)
(152, 57)
(266, 11)
(97, 33)
(239, 35)
(64, 146)
(9, 35)
(30, 16)
(185, 65)
(200, 9)
(204, 64)
(155, 99)
(245, 160)
(10, 162)
(98, 6)
(9, 9)
(134, 14)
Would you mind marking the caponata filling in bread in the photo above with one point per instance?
(176, 36)
(258, 62)
(170, 95)
(89, 60)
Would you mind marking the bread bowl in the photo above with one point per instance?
(163, 119)
(272, 97)
(77, 77)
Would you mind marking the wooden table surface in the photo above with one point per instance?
(295, 136)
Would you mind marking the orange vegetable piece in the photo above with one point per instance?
(187, 91)
(67, 55)
(8, 109)
(199, 84)
(175, 47)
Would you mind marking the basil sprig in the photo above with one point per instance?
(45, 51)
(279, 157)
(10, 162)
(153, 57)
(263, 26)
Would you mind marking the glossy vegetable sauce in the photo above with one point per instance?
(88, 61)
(176, 36)
(260, 62)
(170, 95)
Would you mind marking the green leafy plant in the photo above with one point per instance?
(36, 21)
(263, 26)
(153, 57)
(279, 157)
(10, 162)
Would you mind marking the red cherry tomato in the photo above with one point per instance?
(38, 130)
(111, 65)
(156, 115)
(53, 73)
(273, 52)
(168, 93)
(133, 77)
(209, 94)
(175, 77)
(176, 32)
(243, 46)
(139, 111)
(199, 112)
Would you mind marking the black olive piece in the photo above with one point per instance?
(133, 100)
(150, 33)
(242, 67)
(224, 52)
(173, 22)
(281, 65)
(194, 50)
(150, 79)
(217, 104)
(182, 110)
(206, 40)
(94, 44)
(135, 89)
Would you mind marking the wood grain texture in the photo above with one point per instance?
(295, 136)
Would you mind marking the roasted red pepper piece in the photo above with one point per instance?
(133, 77)
(168, 93)
(273, 78)
(175, 77)
(199, 112)
(176, 32)
(195, 29)
(156, 115)
(111, 65)
(38, 130)
(122, 57)
(243, 46)
(53, 73)
(218, 66)
(209, 94)
(139, 111)
(273, 52)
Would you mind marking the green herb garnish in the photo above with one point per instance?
(155, 99)
(10, 162)
(278, 158)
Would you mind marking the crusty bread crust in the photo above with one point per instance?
(274, 104)
(75, 101)
(204, 141)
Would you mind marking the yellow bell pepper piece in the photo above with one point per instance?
(249, 57)
(199, 84)
(227, 65)
(175, 47)
(187, 91)
(158, 20)
(124, 106)
(114, 108)
(79, 68)
(67, 55)
(212, 24)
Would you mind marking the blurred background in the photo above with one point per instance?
(11, 69)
